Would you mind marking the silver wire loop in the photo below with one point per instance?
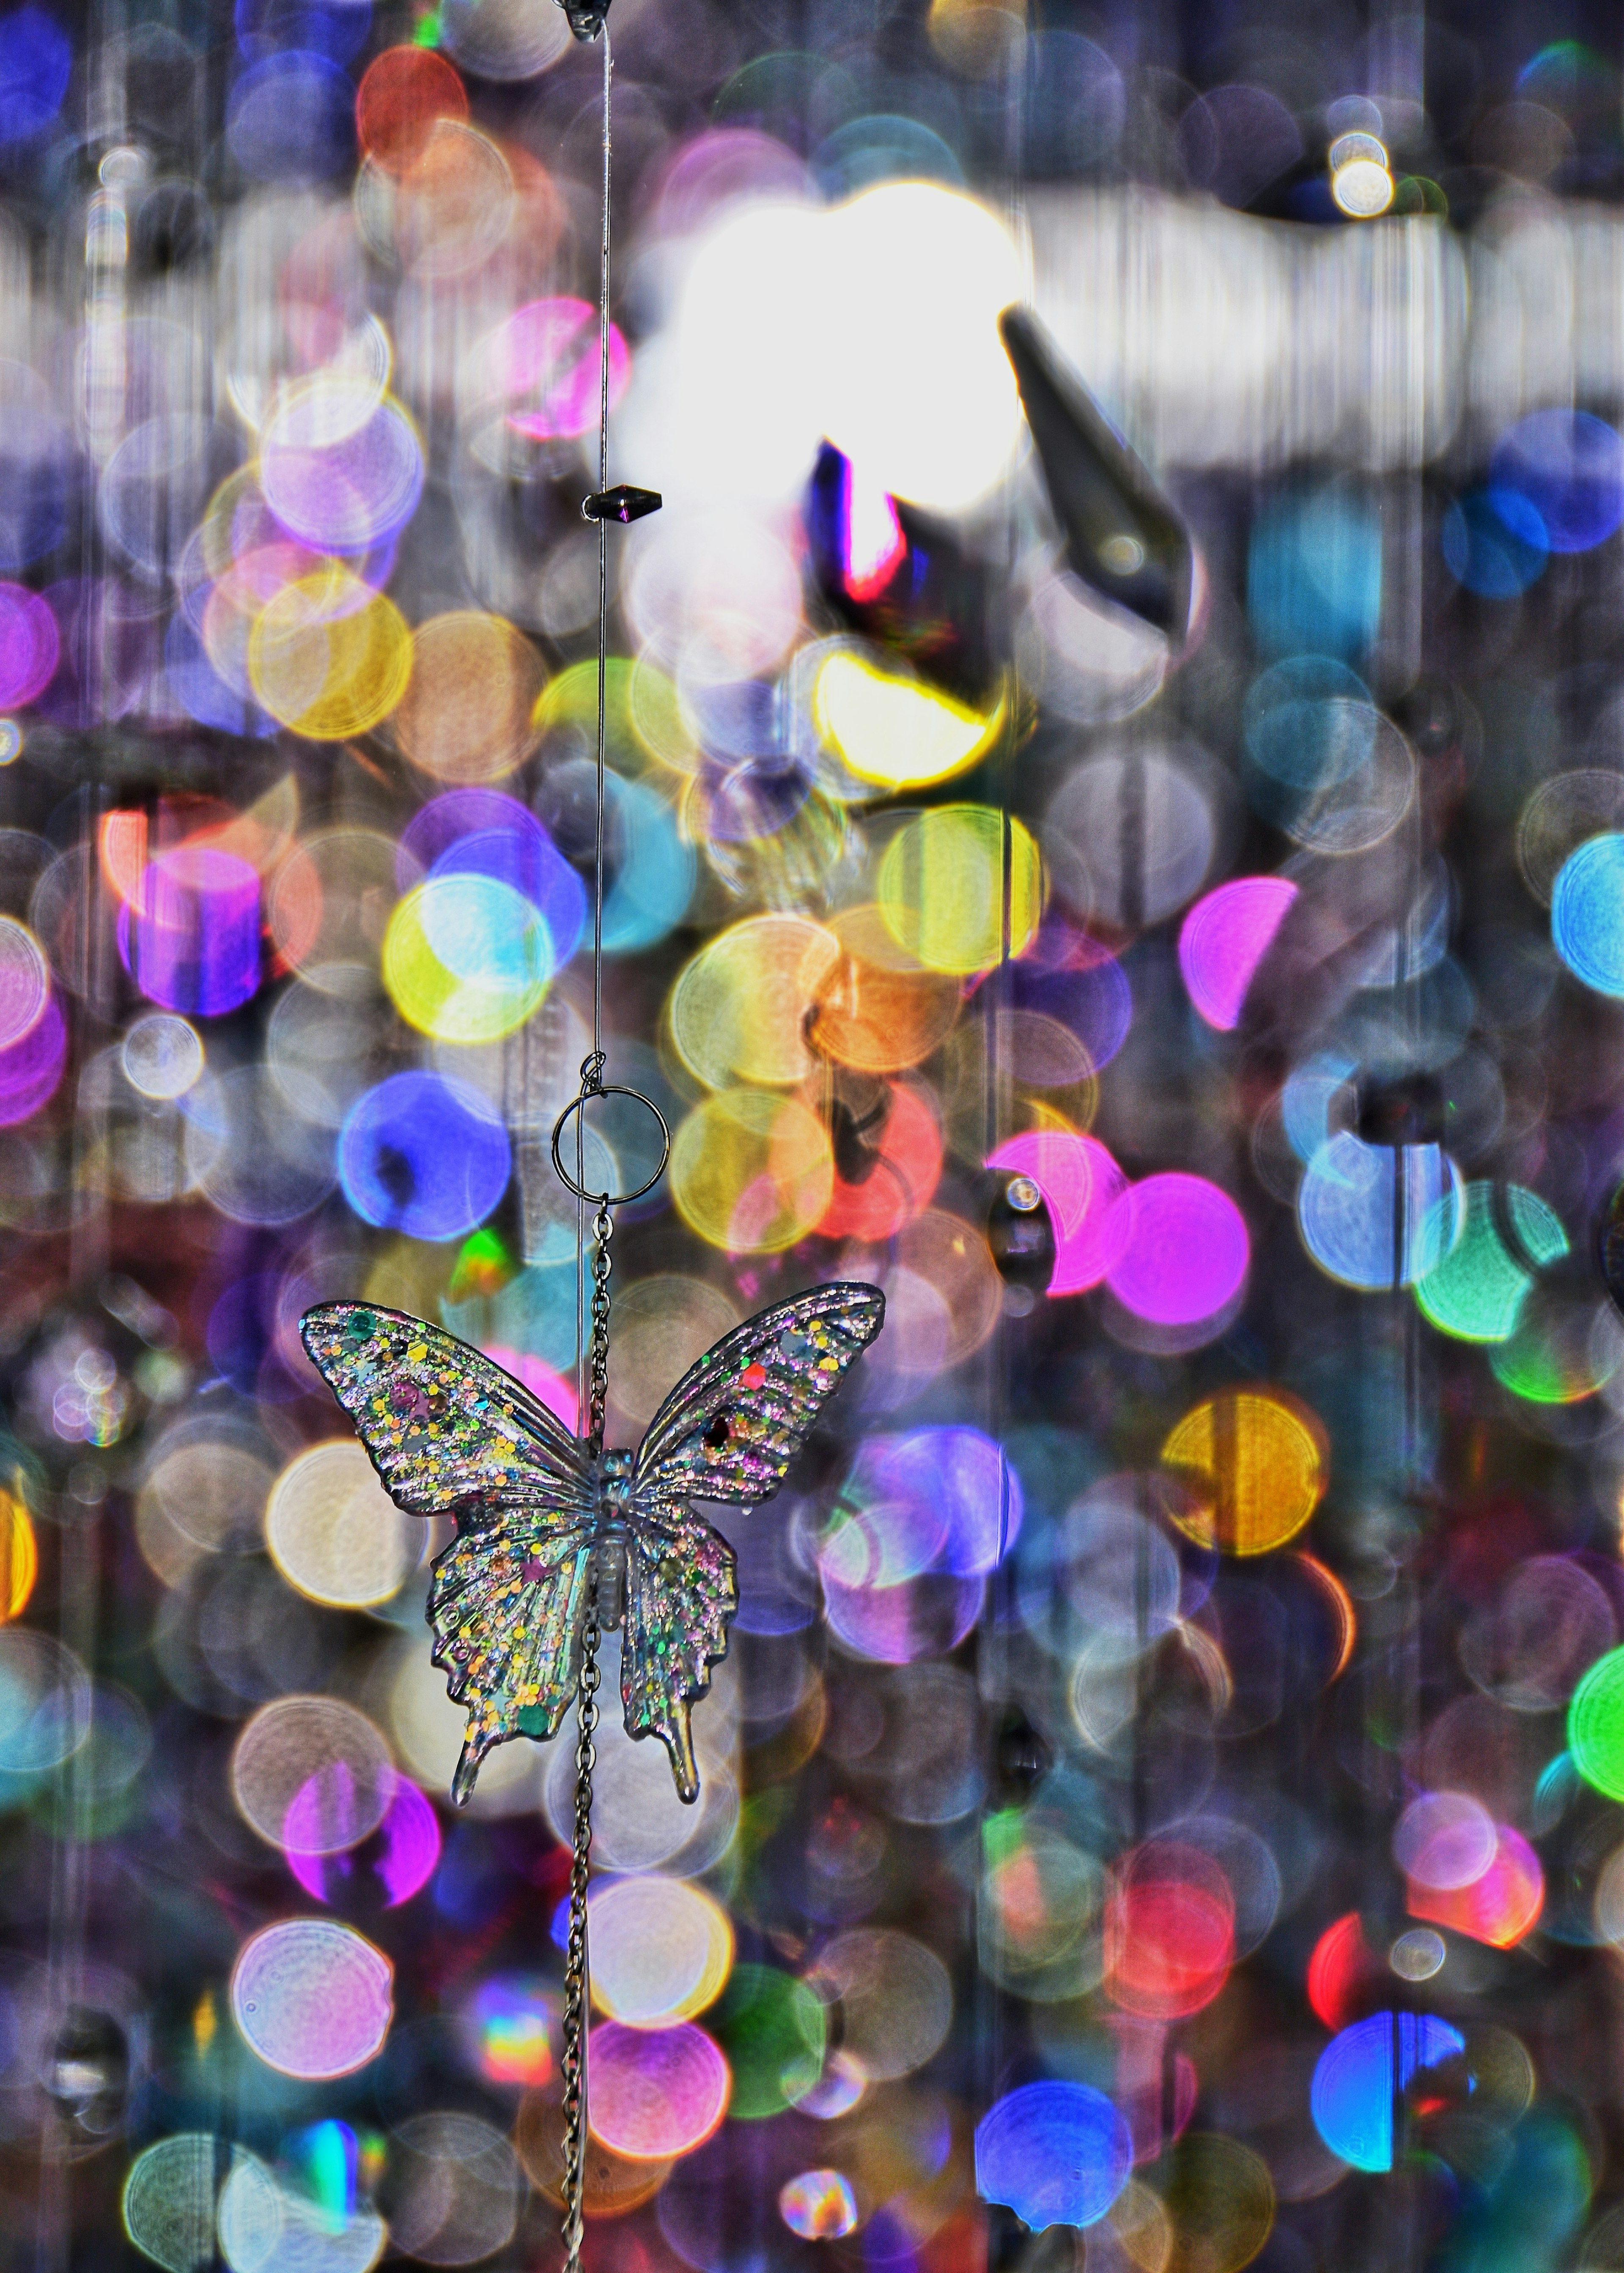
(575, 1105)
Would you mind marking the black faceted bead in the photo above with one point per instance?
(622, 503)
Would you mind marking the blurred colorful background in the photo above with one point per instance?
(1115, 833)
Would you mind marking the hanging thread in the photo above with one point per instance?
(622, 504)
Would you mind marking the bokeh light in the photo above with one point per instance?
(751, 1171)
(1596, 1725)
(424, 1155)
(328, 656)
(1255, 1465)
(311, 1998)
(661, 1951)
(1224, 938)
(1475, 1293)
(466, 957)
(335, 1533)
(943, 890)
(895, 732)
(656, 2092)
(818, 2205)
(1362, 2069)
(19, 1557)
(1184, 1253)
(1169, 1931)
(510, 2019)
(1570, 466)
(468, 713)
(1585, 923)
(1059, 2154)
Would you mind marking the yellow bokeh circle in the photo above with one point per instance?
(942, 888)
(740, 1009)
(1253, 1464)
(1220, 2199)
(644, 716)
(751, 1171)
(466, 958)
(19, 1557)
(897, 733)
(329, 657)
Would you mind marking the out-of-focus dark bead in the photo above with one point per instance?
(1021, 1759)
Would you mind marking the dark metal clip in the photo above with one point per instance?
(622, 503)
(586, 18)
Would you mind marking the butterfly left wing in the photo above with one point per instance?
(507, 1607)
(735, 1420)
(442, 1423)
(681, 1592)
(450, 1433)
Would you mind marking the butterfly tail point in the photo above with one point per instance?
(679, 1743)
(467, 1776)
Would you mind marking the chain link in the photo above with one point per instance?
(598, 1392)
(577, 1966)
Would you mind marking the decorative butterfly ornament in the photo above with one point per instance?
(547, 1534)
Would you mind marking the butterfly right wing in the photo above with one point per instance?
(506, 1605)
(730, 1429)
(681, 1592)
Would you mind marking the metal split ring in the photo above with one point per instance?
(575, 1105)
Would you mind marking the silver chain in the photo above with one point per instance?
(597, 1391)
(576, 1967)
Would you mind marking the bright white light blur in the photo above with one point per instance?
(723, 399)
(715, 592)
(1362, 189)
(874, 324)
(919, 391)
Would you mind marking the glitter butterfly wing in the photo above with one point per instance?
(728, 1432)
(443, 1424)
(449, 1432)
(681, 1591)
(735, 1420)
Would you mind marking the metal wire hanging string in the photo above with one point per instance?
(595, 1381)
(577, 1971)
(623, 504)
(603, 573)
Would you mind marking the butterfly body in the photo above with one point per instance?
(546, 1532)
